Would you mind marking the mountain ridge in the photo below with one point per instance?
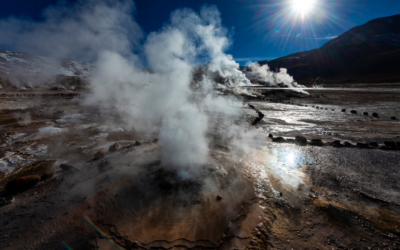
(365, 53)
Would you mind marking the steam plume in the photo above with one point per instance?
(263, 74)
(162, 103)
(77, 31)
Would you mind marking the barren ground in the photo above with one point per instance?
(278, 196)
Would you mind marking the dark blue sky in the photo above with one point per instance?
(262, 29)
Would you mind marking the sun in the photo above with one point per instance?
(302, 7)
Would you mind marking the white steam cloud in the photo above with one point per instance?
(149, 80)
(76, 31)
(263, 74)
(162, 103)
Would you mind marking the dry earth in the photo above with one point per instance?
(276, 196)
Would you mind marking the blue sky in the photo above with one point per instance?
(259, 29)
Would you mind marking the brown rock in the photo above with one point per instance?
(99, 155)
(47, 175)
(22, 183)
(113, 148)
(66, 167)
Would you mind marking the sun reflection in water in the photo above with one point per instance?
(284, 164)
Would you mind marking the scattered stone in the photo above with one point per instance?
(375, 115)
(353, 112)
(258, 119)
(47, 175)
(6, 200)
(219, 197)
(347, 144)
(333, 109)
(301, 140)
(390, 144)
(99, 155)
(102, 166)
(138, 143)
(291, 141)
(343, 110)
(22, 183)
(336, 143)
(251, 106)
(362, 145)
(278, 139)
(113, 148)
(365, 113)
(373, 144)
(67, 167)
(316, 142)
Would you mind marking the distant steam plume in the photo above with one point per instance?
(263, 74)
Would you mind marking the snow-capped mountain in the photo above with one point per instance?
(21, 63)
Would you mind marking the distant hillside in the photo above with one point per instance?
(26, 70)
(366, 53)
(21, 62)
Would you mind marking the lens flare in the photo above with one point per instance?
(66, 245)
(303, 6)
(102, 233)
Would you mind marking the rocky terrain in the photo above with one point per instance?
(316, 177)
